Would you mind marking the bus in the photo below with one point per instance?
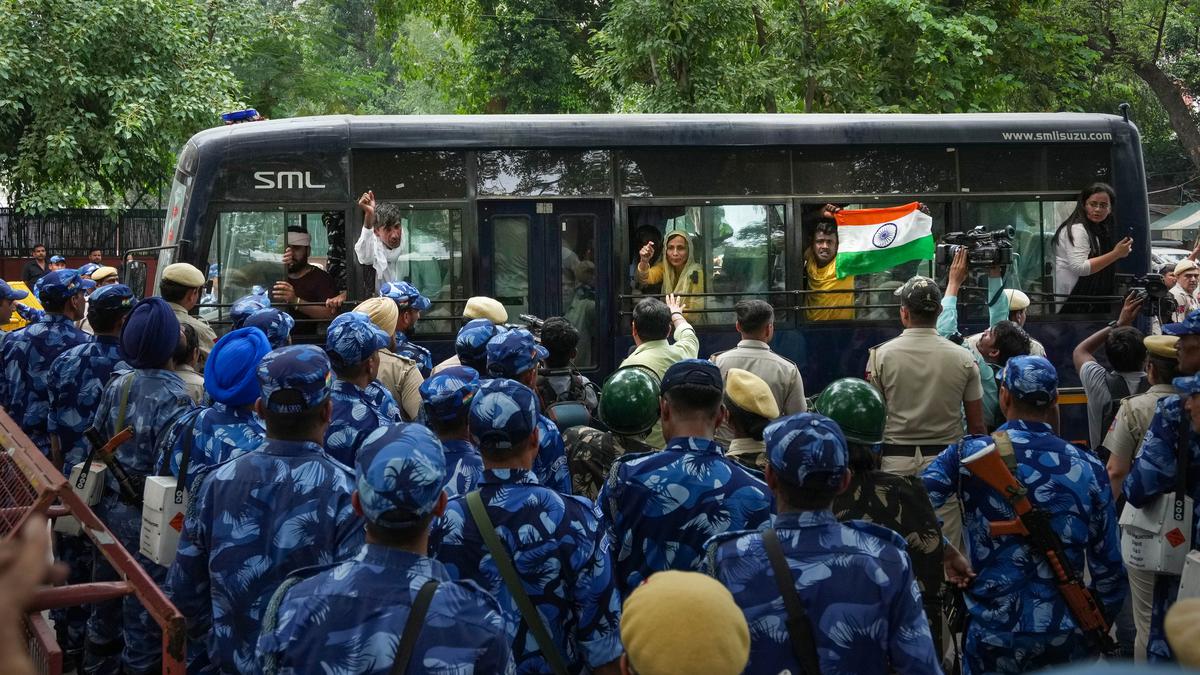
(547, 213)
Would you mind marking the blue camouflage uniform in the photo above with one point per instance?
(555, 542)
(407, 297)
(357, 411)
(854, 579)
(446, 399)
(276, 325)
(229, 427)
(9, 293)
(260, 516)
(75, 383)
(1019, 620)
(28, 354)
(349, 617)
(246, 306)
(148, 399)
(660, 507)
(513, 354)
(470, 345)
(1153, 474)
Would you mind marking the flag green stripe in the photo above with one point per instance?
(867, 262)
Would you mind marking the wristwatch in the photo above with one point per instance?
(1113, 324)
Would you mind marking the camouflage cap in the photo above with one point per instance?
(246, 305)
(1031, 379)
(447, 393)
(1187, 385)
(276, 325)
(920, 293)
(405, 294)
(503, 414)
(472, 340)
(1189, 326)
(294, 379)
(62, 284)
(807, 444)
(86, 269)
(352, 339)
(112, 298)
(400, 472)
(9, 293)
(514, 352)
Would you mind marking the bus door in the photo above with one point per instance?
(548, 258)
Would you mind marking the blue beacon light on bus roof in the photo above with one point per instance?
(247, 115)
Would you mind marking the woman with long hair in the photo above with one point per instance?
(1085, 252)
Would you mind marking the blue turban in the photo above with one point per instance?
(230, 374)
(150, 335)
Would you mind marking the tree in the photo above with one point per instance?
(96, 97)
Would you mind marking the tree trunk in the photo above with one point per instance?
(1170, 95)
(760, 28)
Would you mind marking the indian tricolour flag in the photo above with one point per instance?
(874, 240)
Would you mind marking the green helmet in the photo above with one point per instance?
(857, 407)
(629, 401)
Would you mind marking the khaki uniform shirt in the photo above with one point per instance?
(1035, 347)
(658, 356)
(1133, 420)
(204, 333)
(924, 379)
(193, 382)
(748, 452)
(780, 374)
(448, 363)
(403, 379)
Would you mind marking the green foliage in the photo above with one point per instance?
(96, 96)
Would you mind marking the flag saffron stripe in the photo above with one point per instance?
(876, 217)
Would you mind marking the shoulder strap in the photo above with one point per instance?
(1005, 447)
(509, 573)
(1183, 460)
(1118, 388)
(181, 481)
(412, 627)
(125, 389)
(800, 630)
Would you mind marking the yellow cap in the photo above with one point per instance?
(750, 393)
(1162, 346)
(383, 313)
(1183, 631)
(103, 273)
(1017, 300)
(480, 307)
(183, 274)
(1185, 265)
(684, 622)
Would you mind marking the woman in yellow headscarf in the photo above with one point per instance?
(678, 271)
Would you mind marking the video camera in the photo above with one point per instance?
(985, 248)
(1156, 298)
(531, 323)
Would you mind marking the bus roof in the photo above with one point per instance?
(615, 131)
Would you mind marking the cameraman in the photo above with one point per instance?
(995, 346)
(1126, 354)
(559, 381)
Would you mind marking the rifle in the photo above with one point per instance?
(105, 451)
(1034, 524)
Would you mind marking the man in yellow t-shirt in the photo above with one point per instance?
(820, 269)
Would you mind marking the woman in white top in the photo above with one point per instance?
(1084, 253)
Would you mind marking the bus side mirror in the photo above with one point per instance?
(133, 273)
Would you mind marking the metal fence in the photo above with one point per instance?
(72, 232)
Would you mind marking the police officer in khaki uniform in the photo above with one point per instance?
(399, 374)
(478, 307)
(1122, 441)
(928, 382)
(756, 324)
(751, 407)
(181, 287)
(1018, 311)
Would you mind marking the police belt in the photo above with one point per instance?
(926, 449)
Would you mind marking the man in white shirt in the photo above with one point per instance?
(378, 245)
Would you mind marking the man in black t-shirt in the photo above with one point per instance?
(305, 283)
(36, 268)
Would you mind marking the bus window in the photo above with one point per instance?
(873, 293)
(736, 251)
(1034, 224)
(247, 248)
(432, 261)
(512, 262)
(578, 237)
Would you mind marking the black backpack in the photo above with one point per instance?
(1118, 391)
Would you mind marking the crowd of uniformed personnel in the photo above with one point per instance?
(352, 509)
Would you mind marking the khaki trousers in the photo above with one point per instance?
(1141, 589)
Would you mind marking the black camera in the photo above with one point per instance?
(985, 248)
(1156, 298)
(531, 323)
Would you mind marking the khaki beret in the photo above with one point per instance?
(183, 274)
(1181, 628)
(1017, 300)
(1185, 265)
(1162, 346)
(103, 273)
(750, 393)
(684, 622)
(480, 307)
(383, 313)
